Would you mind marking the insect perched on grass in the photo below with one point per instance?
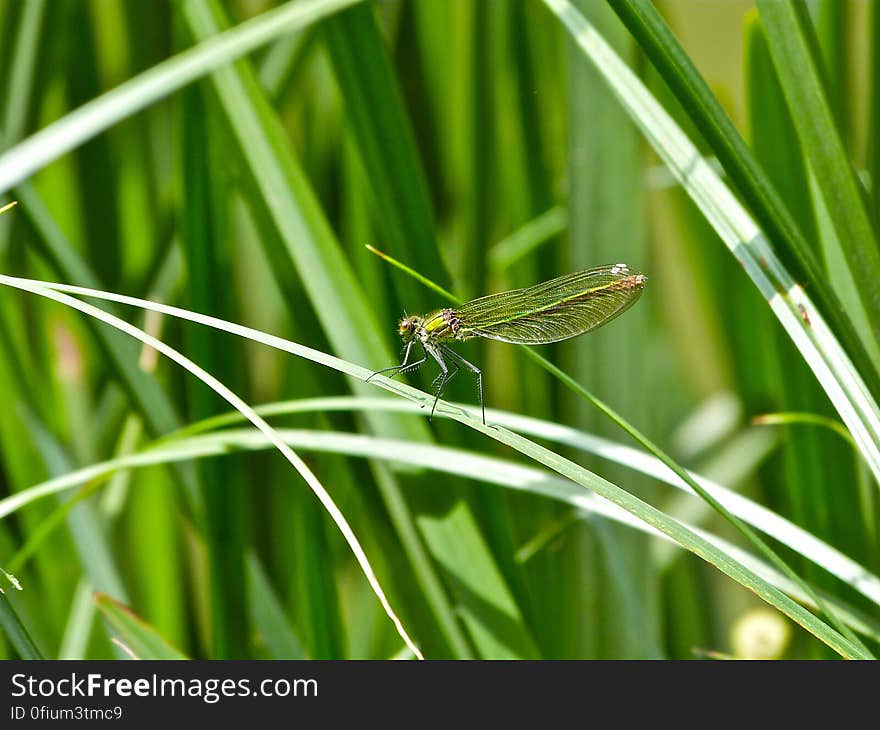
(538, 315)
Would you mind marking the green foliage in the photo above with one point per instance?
(234, 160)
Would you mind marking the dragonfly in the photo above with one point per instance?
(552, 311)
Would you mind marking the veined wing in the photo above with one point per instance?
(554, 310)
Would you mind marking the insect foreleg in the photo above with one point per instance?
(405, 366)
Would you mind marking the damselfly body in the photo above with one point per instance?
(550, 312)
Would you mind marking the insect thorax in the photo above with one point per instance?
(443, 324)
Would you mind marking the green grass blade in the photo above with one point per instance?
(874, 110)
(376, 116)
(21, 161)
(16, 631)
(80, 620)
(209, 258)
(397, 184)
(494, 626)
(808, 464)
(683, 78)
(283, 60)
(83, 522)
(527, 238)
(795, 311)
(501, 472)
(605, 187)
(793, 44)
(301, 244)
(151, 400)
(136, 635)
(63, 257)
(25, 54)
(471, 149)
(668, 461)
(235, 401)
(628, 502)
(182, 445)
(771, 131)
(20, 91)
(831, 32)
(267, 615)
(768, 522)
(777, 419)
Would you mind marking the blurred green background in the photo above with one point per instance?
(474, 142)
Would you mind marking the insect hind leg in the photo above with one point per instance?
(476, 372)
(443, 378)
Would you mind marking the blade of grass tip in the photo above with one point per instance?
(762, 546)
(143, 640)
(793, 47)
(490, 624)
(433, 286)
(161, 80)
(240, 405)
(678, 71)
(813, 419)
(16, 631)
(528, 238)
(793, 308)
(567, 468)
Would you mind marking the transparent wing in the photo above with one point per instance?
(554, 310)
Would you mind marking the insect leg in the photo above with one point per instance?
(474, 369)
(446, 378)
(413, 366)
(404, 367)
(443, 377)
